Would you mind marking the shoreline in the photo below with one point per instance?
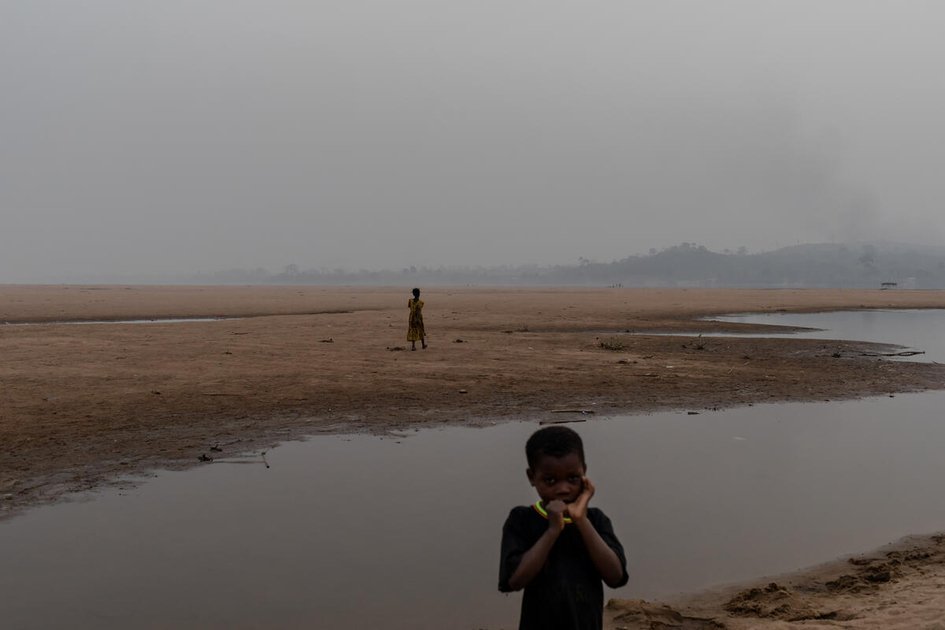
(900, 585)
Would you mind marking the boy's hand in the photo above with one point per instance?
(578, 510)
(556, 511)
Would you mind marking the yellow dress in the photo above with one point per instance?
(415, 330)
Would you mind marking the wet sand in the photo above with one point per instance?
(898, 587)
(85, 404)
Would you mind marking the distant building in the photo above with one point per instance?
(888, 285)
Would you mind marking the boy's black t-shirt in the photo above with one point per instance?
(568, 593)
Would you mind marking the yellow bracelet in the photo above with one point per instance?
(541, 510)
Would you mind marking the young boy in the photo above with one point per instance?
(559, 550)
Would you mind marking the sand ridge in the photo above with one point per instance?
(899, 587)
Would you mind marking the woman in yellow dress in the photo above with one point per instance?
(415, 330)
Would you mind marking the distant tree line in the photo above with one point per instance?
(860, 265)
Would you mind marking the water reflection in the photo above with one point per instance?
(89, 322)
(403, 532)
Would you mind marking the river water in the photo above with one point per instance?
(915, 330)
(403, 531)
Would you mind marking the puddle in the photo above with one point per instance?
(403, 532)
(173, 320)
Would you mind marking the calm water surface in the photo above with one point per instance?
(403, 532)
(92, 322)
(920, 330)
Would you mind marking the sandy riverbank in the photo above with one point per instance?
(899, 587)
(84, 404)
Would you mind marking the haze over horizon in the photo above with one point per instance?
(180, 136)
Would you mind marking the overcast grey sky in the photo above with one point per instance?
(165, 136)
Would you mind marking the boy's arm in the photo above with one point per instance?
(603, 557)
(534, 559)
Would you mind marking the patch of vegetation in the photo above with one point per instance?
(613, 344)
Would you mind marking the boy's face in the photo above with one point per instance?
(558, 478)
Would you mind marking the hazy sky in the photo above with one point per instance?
(164, 136)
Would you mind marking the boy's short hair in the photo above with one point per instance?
(553, 441)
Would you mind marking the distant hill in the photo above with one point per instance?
(863, 265)
(850, 265)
